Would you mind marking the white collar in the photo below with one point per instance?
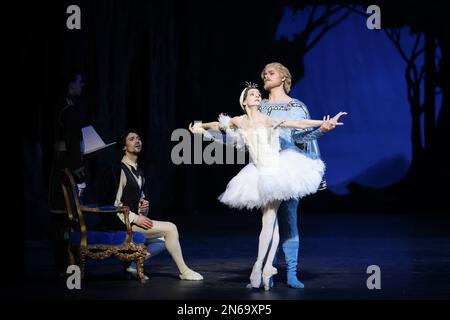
(129, 162)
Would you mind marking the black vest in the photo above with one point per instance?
(131, 194)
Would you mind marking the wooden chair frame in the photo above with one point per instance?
(126, 252)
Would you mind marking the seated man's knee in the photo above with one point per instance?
(172, 228)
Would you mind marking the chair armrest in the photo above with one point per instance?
(104, 209)
(125, 210)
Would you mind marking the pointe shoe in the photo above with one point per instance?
(191, 275)
(267, 275)
(255, 276)
(249, 285)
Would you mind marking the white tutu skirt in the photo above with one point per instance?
(293, 176)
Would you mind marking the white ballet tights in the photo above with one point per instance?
(269, 236)
(169, 231)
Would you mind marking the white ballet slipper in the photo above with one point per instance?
(191, 275)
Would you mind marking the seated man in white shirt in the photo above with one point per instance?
(125, 186)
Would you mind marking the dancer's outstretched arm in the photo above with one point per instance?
(227, 134)
(227, 123)
(200, 127)
(306, 123)
(211, 125)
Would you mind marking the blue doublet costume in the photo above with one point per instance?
(303, 141)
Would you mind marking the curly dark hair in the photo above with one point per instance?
(123, 139)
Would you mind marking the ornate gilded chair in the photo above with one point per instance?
(126, 245)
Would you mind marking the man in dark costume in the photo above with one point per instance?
(67, 154)
(125, 185)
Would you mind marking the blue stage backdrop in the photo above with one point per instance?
(359, 71)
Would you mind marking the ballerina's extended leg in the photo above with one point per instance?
(269, 270)
(265, 238)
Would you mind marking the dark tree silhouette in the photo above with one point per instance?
(427, 24)
(318, 24)
(414, 75)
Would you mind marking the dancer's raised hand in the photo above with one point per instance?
(196, 128)
(327, 125)
(335, 119)
(331, 123)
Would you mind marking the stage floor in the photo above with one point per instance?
(413, 254)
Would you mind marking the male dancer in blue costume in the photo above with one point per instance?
(277, 81)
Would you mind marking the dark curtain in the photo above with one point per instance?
(150, 65)
(154, 66)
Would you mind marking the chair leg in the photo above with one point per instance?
(82, 264)
(140, 269)
(71, 256)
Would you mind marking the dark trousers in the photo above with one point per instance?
(60, 227)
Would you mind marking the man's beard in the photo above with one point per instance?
(268, 86)
(136, 153)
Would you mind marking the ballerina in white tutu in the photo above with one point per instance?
(271, 176)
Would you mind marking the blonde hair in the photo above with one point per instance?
(284, 71)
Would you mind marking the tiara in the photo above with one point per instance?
(251, 85)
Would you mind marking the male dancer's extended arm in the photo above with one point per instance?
(222, 137)
(306, 135)
(303, 136)
(307, 123)
(212, 131)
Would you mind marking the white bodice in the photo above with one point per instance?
(263, 144)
